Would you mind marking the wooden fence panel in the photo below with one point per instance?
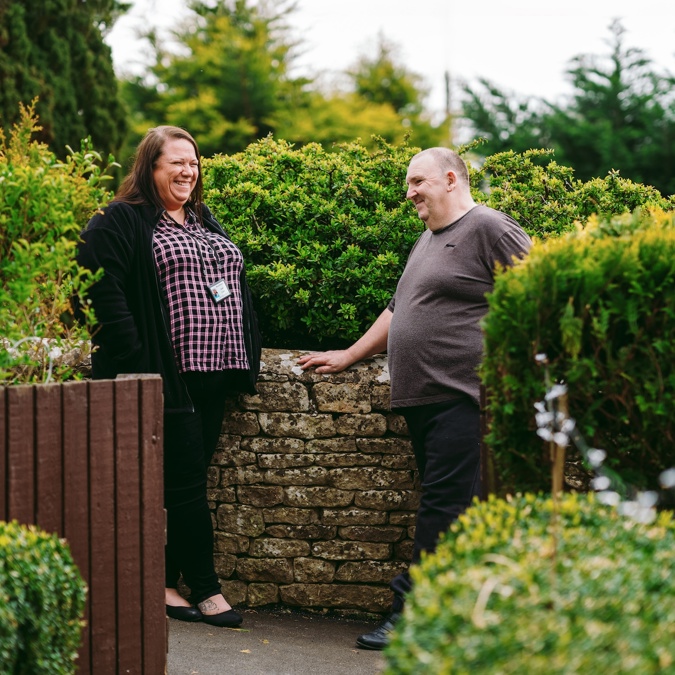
(21, 454)
(128, 513)
(102, 579)
(84, 460)
(77, 528)
(49, 458)
(153, 528)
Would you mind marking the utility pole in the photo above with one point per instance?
(448, 107)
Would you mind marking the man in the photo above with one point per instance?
(431, 330)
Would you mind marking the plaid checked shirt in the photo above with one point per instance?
(206, 335)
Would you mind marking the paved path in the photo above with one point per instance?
(272, 642)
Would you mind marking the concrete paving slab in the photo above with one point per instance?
(273, 642)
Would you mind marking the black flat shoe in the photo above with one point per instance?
(184, 613)
(379, 638)
(229, 619)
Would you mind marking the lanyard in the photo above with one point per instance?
(218, 290)
(198, 241)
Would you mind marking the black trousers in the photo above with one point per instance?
(446, 441)
(190, 439)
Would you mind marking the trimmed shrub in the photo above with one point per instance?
(42, 597)
(44, 203)
(326, 235)
(515, 589)
(547, 200)
(600, 303)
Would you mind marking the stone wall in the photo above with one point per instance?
(313, 489)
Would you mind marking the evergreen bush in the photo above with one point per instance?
(42, 598)
(522, 587)
(326, 235)
(600, 303)
(44, 203)
(547, 200)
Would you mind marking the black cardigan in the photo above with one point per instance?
(132, 335)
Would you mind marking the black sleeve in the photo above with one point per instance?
(109, 242)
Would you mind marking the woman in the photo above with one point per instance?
(173, 300)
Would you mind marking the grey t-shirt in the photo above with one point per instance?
(435, 340)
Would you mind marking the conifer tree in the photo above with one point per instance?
(53, 50)
(229, 80)
(621, 116)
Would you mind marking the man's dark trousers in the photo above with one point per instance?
(446, 441)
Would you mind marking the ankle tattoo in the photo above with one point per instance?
(207, 605)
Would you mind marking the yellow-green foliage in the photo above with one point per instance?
(600, 303)
(44, 204)
(42, 598)
(513, 589)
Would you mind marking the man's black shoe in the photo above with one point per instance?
(379, 638)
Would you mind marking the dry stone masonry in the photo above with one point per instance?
(313, 489)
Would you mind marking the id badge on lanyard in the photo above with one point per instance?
(219, 291)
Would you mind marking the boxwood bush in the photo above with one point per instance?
(515, 589)
(42, 598)
(599, 302)
(326, 234)
(547, 200)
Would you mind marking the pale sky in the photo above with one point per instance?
(523, 46)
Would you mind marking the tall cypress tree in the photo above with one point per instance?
(54, 50)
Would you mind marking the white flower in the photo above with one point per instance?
(596, 457)
(648, 499)
(55, 353)
(568, 425)
(609, 498)
(667, 478)
(556, 391)
(544, 419)
(545, 433)
(636, 512)
(601, 483)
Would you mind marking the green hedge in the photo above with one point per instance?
(599, 302)
(547, 200)
(515, 590)
(326, 234)
(42, 598)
